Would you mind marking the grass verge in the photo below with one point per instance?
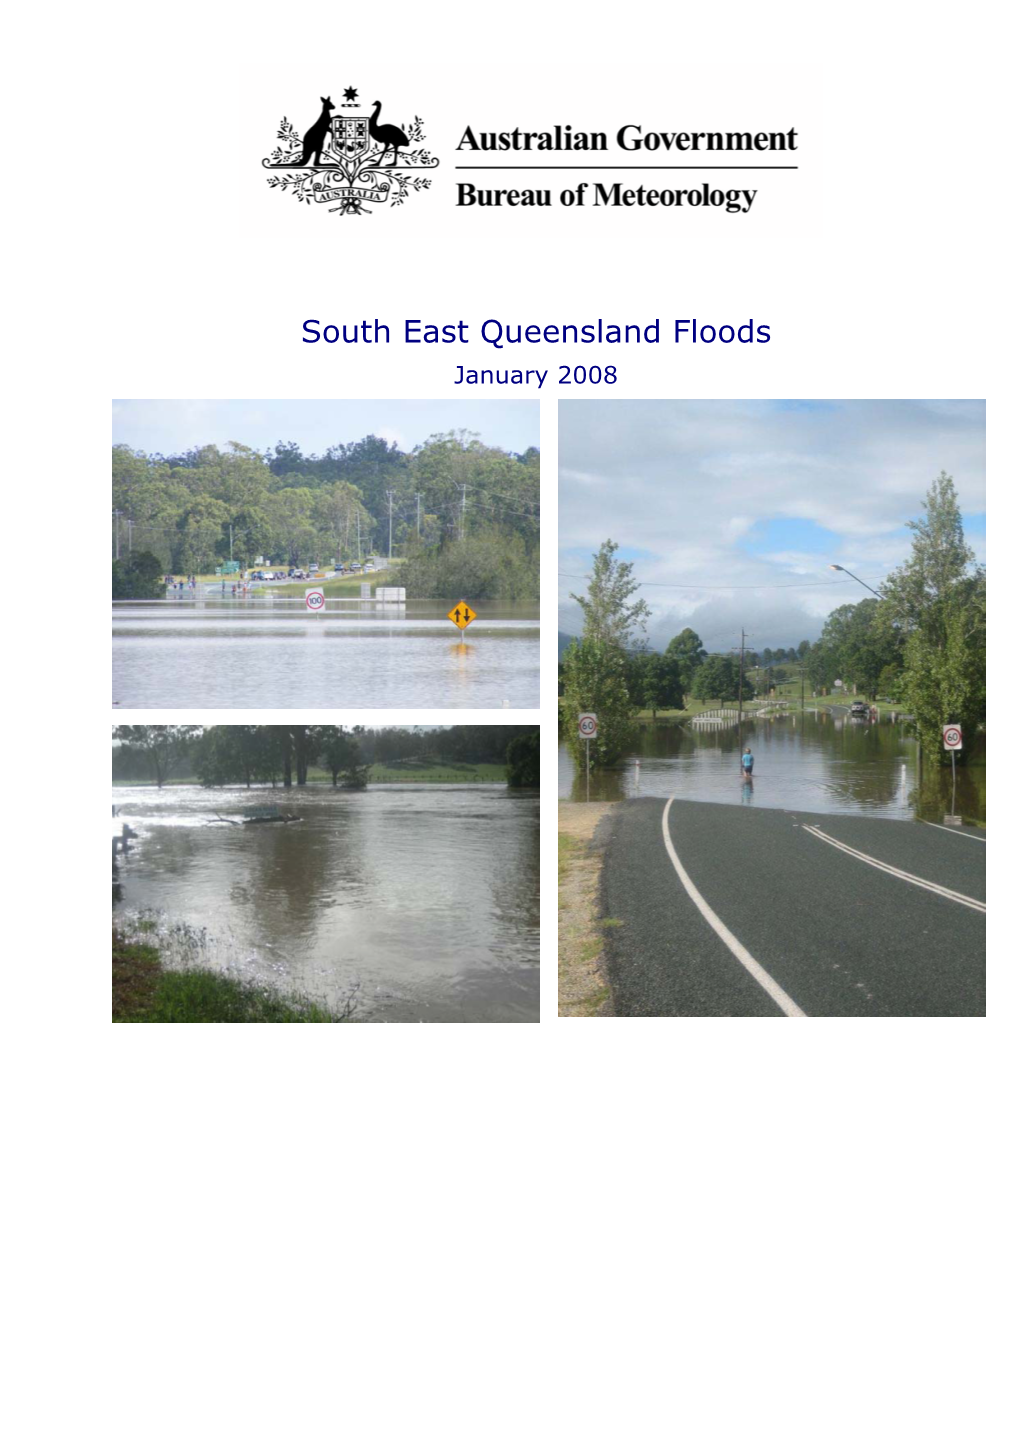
(145, 991)
(583, 986)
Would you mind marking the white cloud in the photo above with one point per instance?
(701, 487)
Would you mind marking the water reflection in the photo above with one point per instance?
(819, 761)
(270, 652)
(426, 898)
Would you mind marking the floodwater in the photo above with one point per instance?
(268, 651)
(822, 761)
(420, 902)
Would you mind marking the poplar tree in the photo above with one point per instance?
(595, 666)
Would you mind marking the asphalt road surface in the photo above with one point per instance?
(728, 911)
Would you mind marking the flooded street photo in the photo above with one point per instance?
(386, 554)
(772, 769)
(267, 651)
(420, 903)
(823, 761)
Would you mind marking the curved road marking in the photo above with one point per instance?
(946, 892)
(955, 831)
(785, 1004)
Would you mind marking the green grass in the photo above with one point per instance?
(378, 772)
(143, 991)
(437, 772)
(568, 850)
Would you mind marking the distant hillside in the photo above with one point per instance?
(564, 641)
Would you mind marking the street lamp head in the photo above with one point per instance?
(834, 567)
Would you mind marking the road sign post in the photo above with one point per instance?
(587, 728)
(461, 615)
(952, 740)
(315, 600)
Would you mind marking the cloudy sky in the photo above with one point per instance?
(732, 510)
(173, 426)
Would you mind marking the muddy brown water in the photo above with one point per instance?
(268, 651)
(821, 761)
(421, 902)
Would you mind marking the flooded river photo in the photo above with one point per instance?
(419, 903)
(267, 651)
(821, 761)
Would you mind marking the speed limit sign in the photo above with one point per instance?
(952, 738)
(587, 726)
(315, 599)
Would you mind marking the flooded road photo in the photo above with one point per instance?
(821, 761)
(267, 651)
(420, 903)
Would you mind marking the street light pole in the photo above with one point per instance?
(834, 567)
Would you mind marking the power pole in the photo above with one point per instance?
(417, 497)
(116, 522)
(130, 524)
(463, 507)
(389, 497)
(231, 541)
(359, 533)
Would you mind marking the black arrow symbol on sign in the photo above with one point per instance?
(456, 614)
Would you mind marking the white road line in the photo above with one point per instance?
(771, 986)
(946, 892)
(956, 831)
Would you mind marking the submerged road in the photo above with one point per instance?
(723, 911)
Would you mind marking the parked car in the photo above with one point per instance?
(860, 708)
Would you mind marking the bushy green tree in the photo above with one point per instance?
(522, 761)
(689, 653)
(493, 565)
(718, 679)
(138, 577)
(594, 679)
(162, 747)
(653, 681)
(938, 599)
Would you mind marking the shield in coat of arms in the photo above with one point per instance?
(350, 135)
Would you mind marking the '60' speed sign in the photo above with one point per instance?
(952, 738)
(587, 726)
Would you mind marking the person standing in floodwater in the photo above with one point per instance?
(747, 762)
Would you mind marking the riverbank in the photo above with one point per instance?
(379, 773)
(145, 991)
(583, 983)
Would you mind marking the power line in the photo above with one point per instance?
(741, 586)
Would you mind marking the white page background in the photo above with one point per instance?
(710, 1229)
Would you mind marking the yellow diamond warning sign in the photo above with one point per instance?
(462, 615)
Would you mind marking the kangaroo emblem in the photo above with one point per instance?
(315, 138)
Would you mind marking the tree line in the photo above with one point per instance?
(922, 643)
(254, 755)
(447, 500)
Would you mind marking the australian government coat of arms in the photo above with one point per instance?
(350, 162)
